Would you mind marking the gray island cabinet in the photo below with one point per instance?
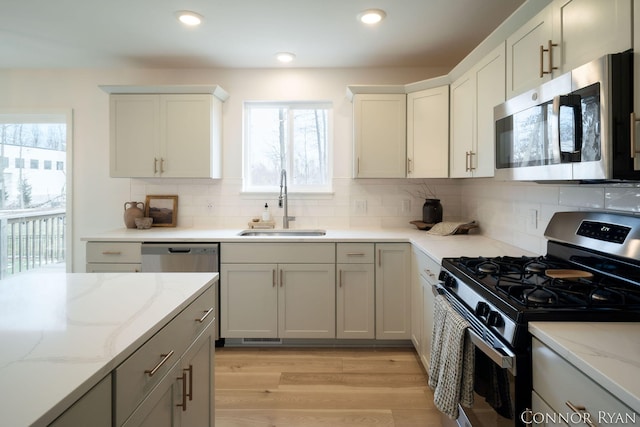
(107, 349)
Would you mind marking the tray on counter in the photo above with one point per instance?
(462, 229)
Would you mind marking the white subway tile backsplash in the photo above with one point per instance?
(587, 196)
(625, 199)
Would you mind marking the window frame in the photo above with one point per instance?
(291, 106)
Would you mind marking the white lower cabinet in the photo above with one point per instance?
(248, 301)
(108, 257)
(558, 385)
(355, 291)
(278, 300)
(424, 276)
(393, 291)
(288, 291)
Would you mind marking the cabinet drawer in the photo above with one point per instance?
(427, 267)
(132, 382)
(114, 252)
(268, 253)
(558, 383)
(355, 253)
(101, 267)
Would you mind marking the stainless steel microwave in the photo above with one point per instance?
(574, 127)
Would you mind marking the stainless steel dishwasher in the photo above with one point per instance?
(184, 257)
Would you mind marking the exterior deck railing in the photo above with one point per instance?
(31, 240)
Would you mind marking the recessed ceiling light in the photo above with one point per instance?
(189, 18)
(371, 16)
(285, 56)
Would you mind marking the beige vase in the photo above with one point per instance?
(131, 212)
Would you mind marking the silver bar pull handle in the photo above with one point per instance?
(165, 357)
(206, 314)
(500, 359)
(579, 409)
(183, 404)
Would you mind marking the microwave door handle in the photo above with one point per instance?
(575, 103)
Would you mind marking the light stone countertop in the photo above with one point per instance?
(607, 352)
(62, 333)
(437, 247)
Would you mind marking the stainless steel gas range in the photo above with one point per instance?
(591, 272)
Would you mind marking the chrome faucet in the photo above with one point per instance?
(283, 200)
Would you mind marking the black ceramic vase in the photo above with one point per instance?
(432, 211)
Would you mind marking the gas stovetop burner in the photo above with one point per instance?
(540, 296)
(535, 267)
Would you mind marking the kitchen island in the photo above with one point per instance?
(604, 352)
(62, 333)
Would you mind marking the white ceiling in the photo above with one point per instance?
(243, 33)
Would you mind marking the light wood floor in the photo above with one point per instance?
(322, 387)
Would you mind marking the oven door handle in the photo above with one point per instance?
(507, 361)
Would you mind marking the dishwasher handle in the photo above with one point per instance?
(174, 250)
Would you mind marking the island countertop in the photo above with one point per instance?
(62, 333)
(607, 352)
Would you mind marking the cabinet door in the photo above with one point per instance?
(197, 370)
(490, 91)
(187, 126)
(248, 301)
(113, 268)
(589, 29)
(428, 133)
(393, 291)
(524, 58)
(158, 409)
(307, 301)
(380, 129)
(416, 309)
(94, 408)
(355, 301)
(462, 124)
(428, 299)
(133, 132)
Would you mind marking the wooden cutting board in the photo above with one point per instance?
(568, 274)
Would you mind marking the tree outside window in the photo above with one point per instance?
(293, 136)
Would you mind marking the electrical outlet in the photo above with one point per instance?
(406, 206)
(360, 207)
(532, 219)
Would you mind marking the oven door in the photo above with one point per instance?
(494, 387)
(501, 392)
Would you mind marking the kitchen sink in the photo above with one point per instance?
(274, 233)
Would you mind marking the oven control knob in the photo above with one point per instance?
(447, 280)
(482, 310)
(495, 319)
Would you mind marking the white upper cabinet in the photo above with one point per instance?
(380, 135)
(173, 135)
(428, 133)
(527, 62)
(473, 97)
(565, 35)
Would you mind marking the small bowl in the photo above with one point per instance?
(144, 223)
